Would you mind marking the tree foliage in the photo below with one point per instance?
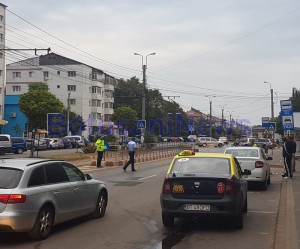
(124, 112)
(129, 93)
(296, 100)
(37, 102)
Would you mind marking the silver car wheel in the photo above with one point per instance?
(101, 205)
(43, 224)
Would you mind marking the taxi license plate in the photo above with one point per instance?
(196, 207)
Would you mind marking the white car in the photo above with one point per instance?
(256, 160)
(208, 141)
(223, 140)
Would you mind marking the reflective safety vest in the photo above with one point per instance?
(100, 145)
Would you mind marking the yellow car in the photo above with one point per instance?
(199, 184)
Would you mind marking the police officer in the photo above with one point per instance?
(100, 148)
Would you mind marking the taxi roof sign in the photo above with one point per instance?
(186, 153)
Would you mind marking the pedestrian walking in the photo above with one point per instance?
(100, 146)
(288, 152)
(131, 146)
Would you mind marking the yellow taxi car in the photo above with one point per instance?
(204, 184)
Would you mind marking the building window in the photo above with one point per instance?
(1, 55)
(96, 102)
(72, 73)
(108, 105)
(58, 86)
(16, 88)
(72, 101)
(71, 88)
(16, 74)
(0, 90)
(106, 117)
(1, 18)
(30, 74)
(0, 72)
(96, 89)
(58, 72)
(46, 74)
(1, 37)
(94, 76)
(98, 116)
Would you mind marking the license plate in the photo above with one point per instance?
(196, 207)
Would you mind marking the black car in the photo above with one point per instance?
(204, 184)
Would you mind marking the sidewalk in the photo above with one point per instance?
(288, 220)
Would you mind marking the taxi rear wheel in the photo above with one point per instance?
(167, 219)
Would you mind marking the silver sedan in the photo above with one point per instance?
(256, 160)
(36, 194)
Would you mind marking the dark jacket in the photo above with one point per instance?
(289, 148)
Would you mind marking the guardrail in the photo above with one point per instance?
(151, 150)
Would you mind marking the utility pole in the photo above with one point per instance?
(68, 118)
(272, 101)
(210, 113)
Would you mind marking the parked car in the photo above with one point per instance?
(36, 144)
(55, 143)
(5, 144)
(208, 141)
(36, 194)
(18, 145)
(127, 139)
(204, 184)
(256, 160)
(67, 143)
(77, 141)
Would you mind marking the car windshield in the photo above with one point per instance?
(187, 166)
(9, 177)
(242, 152)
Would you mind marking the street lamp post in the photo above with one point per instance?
(144, 67)
(222, 106)
(210, 112)
(272, 102)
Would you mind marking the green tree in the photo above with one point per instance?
(129, 93)
(37, 102)
(296, 100)
(125, 113)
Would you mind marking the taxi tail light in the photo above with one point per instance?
(259, 164)
(166, 187)
(232, 188)
(13, 198)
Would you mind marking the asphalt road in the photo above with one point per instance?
(133, 218)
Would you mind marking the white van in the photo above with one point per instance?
(5, 144)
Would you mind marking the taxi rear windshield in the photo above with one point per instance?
(242, 152)
(9, 177)
(183, 166)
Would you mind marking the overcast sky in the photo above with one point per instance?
(225, 49)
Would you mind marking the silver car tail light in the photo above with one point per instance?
(12, 198)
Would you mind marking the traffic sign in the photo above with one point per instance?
(191, 128)
(265, 121)
(272, 126)
(287, 114)
(141, 124)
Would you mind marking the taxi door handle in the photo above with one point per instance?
(76, 189)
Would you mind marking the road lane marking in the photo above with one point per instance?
(146, 177)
